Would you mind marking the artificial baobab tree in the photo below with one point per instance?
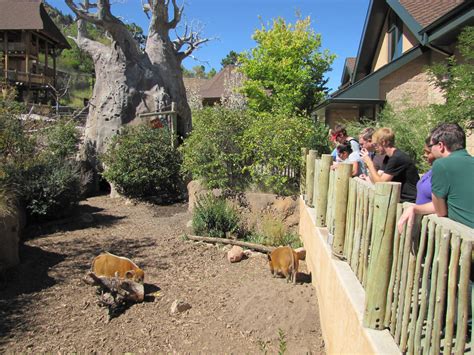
(131, 80)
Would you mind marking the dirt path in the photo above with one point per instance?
(239, 308)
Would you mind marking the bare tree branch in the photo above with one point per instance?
(104, 19)
(177, 11)
(146, 8)
(83, 12)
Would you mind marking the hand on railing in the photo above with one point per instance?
(408, 217)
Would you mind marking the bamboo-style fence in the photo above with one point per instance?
(417, 283)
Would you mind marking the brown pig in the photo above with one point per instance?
(284, 261)
(111, 265)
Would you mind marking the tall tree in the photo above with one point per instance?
(455, 77)
(230, 59)
(129, 80)
(285, 71)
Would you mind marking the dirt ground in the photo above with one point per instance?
(236, 308)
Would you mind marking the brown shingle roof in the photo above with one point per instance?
(426, 12)
(216, 86)
(195, 84)
(350, 63)
(29, 15)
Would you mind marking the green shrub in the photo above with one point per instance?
(141, 162)
(411, 126)
(213, 151)
(62, 139)
(48, 189)
(273, 151)
(272, 231)
(214, 217)
(38, 167)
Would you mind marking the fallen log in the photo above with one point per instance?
(257, 247)
(119, 289)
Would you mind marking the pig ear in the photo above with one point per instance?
(129, 274)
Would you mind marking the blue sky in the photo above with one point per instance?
(232, 22)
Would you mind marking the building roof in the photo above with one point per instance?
(195, 84)
(215, 88)
(426, 12)
(30, 15)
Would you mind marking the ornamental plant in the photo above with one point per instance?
(142, 163)
(272, 147)
(213, 152)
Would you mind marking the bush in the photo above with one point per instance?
(403, 123)
(62, 139)
(214, 217)
(273, 149)
(213, 151)
(141, 162)
(38, 167)
(49, 189)
(272, 231)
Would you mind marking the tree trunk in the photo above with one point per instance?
(130, 81)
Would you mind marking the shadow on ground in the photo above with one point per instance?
(20, 284)
(85, 216)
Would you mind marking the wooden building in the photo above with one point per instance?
(30, 42)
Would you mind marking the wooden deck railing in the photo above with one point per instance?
(417, 283)
(39, 79)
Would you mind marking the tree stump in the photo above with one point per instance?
(114, 293)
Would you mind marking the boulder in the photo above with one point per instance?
(9, 239)
(235, 254)
(179, 306)
(195, 189)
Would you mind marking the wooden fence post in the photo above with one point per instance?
(317, 173)
(343, 176)
(323, 187)
(304, 153)
(387, 196)
(310, 161)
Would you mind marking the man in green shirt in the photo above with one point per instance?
(452, 182)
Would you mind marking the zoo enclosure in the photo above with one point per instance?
(417, 283)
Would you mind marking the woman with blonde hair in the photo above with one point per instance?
(399, 166)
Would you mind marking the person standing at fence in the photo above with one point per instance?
(453, 174)
(346, 155)
(424, 204)
(332, 139)
(399, 168)
(365, 141)
(339, 134)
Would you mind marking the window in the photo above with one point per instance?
(395, 37)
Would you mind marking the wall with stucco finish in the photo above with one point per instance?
(341, 297)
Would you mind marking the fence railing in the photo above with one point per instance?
(430, 298)
(417, 283)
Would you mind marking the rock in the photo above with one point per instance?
(195, 188)
(301, 252)
(235, 254)
(179, 306)
(9, 238)
(189, 227)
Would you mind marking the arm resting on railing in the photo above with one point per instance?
(408, 216)
(440, 206)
